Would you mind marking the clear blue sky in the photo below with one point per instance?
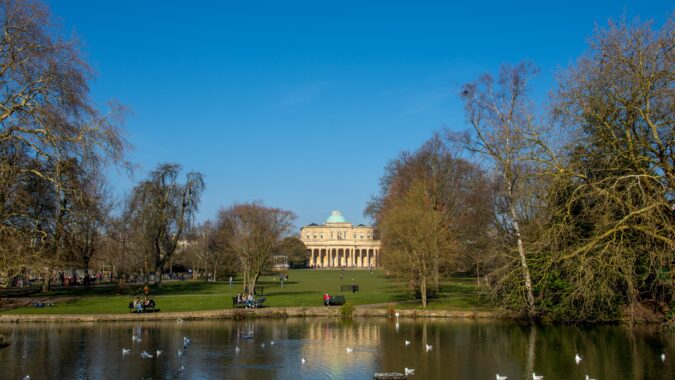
(301, 104)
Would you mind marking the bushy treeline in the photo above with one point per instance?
(568, 209)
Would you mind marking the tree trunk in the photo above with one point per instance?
(46, 284)
(158, 277)
(436, 278)
(252, 281)
(423, 292)
(523, 263)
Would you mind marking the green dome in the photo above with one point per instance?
(336, 217)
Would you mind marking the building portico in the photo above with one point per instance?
(338, 243)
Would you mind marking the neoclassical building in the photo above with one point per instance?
(338, 243)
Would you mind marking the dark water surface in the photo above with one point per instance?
(461, 350)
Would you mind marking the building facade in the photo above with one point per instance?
(338, 244)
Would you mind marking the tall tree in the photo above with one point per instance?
(163, 208)
(414, 236)
(48, 126)
(611, 232)
(253, 232)
(501, 117)
(453, 187)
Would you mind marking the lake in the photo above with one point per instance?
(273, 349)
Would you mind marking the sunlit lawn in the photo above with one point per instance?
(304, 288)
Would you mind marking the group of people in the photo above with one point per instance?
(246, 299)
(141, 304)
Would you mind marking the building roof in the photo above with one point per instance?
(336, 217)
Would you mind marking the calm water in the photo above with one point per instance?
(461, 350)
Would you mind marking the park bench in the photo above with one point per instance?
(257, 303)
(150, 308)
(349, 288)
(336, 301)
(42, 305)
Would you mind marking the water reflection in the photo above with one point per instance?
(461, 350)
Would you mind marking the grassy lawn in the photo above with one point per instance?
(304, 288)
(458, 293)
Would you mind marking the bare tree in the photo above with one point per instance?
(163, 208)
(501, 118)
(253, 232)
(415, 236)
(48, 125)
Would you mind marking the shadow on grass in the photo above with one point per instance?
(291, 293)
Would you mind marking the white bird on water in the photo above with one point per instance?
(136, 339)
(588, 378)
(180, 353)
(501, 377)
(429, 347)
(303, 360)
(536, 377)
(663, 357)
(186, 341)
(27, 377)
(158, 353)
(237, 350)
(407, 343)
(262, 345)
(409, 371)
(125, 351)
(578, 358)
(272, 343)
(350, 350)
(145, 355)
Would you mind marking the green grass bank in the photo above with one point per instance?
(304, 288)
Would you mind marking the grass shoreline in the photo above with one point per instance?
(304, 289)
(234, 314)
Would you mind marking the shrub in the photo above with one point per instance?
(347, 310)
